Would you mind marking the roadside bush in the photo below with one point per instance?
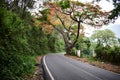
(73, 51)
(18, 47)
(55, 44)
(15, 67)
(19, 44)
(109, 54)
(13, 46)
(37, 40)
(60, 45)
(115, 55)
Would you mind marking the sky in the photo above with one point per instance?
(115, 28)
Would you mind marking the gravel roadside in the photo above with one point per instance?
(38, 74)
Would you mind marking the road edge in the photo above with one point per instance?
(46, 70)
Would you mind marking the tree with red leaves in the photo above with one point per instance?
(68, 17)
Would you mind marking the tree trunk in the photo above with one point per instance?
(69, 45)
(68, 48)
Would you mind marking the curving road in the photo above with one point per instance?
(59, 67)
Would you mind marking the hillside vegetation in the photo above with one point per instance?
(20, 43)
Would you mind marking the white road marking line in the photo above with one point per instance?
(52, 78)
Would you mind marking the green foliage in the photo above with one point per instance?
(15, 67)
(73, 51)
(88, 43)
(20, 7)
(55, 43)
(119, 40)
(3, 4)
(107, 53)
(37, 41)
(83, 44)
(80, 43)
(106, 48)
(64, 4)
(104, 37)
(12, 31)
(19, 43)
(44, 15)
(116, 11)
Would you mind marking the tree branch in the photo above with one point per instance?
(78, 32)
(61, 21)
(60, 31)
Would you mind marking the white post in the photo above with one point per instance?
(93, 54)
(78, 53)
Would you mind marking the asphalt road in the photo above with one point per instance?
(59, 67)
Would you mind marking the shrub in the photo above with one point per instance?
(19, 44)
(109, 54)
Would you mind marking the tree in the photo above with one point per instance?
(19, 6)
(2, 4)
(83, 44)
(107, 48)
(115, 12)
(119, 41)
(104, 37)
(65, 15)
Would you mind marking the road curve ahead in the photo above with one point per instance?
(59, 67)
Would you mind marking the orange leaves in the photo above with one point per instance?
(35, 22)
(86, 13)
(52, 18)
(56, 17)
(47, 28)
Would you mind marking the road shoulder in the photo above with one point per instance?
(38, 73)
(106, 66)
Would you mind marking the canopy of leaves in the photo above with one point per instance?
(104, 37)
(86, 13)
(115, 12)
(64, 4)
(65, 14)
